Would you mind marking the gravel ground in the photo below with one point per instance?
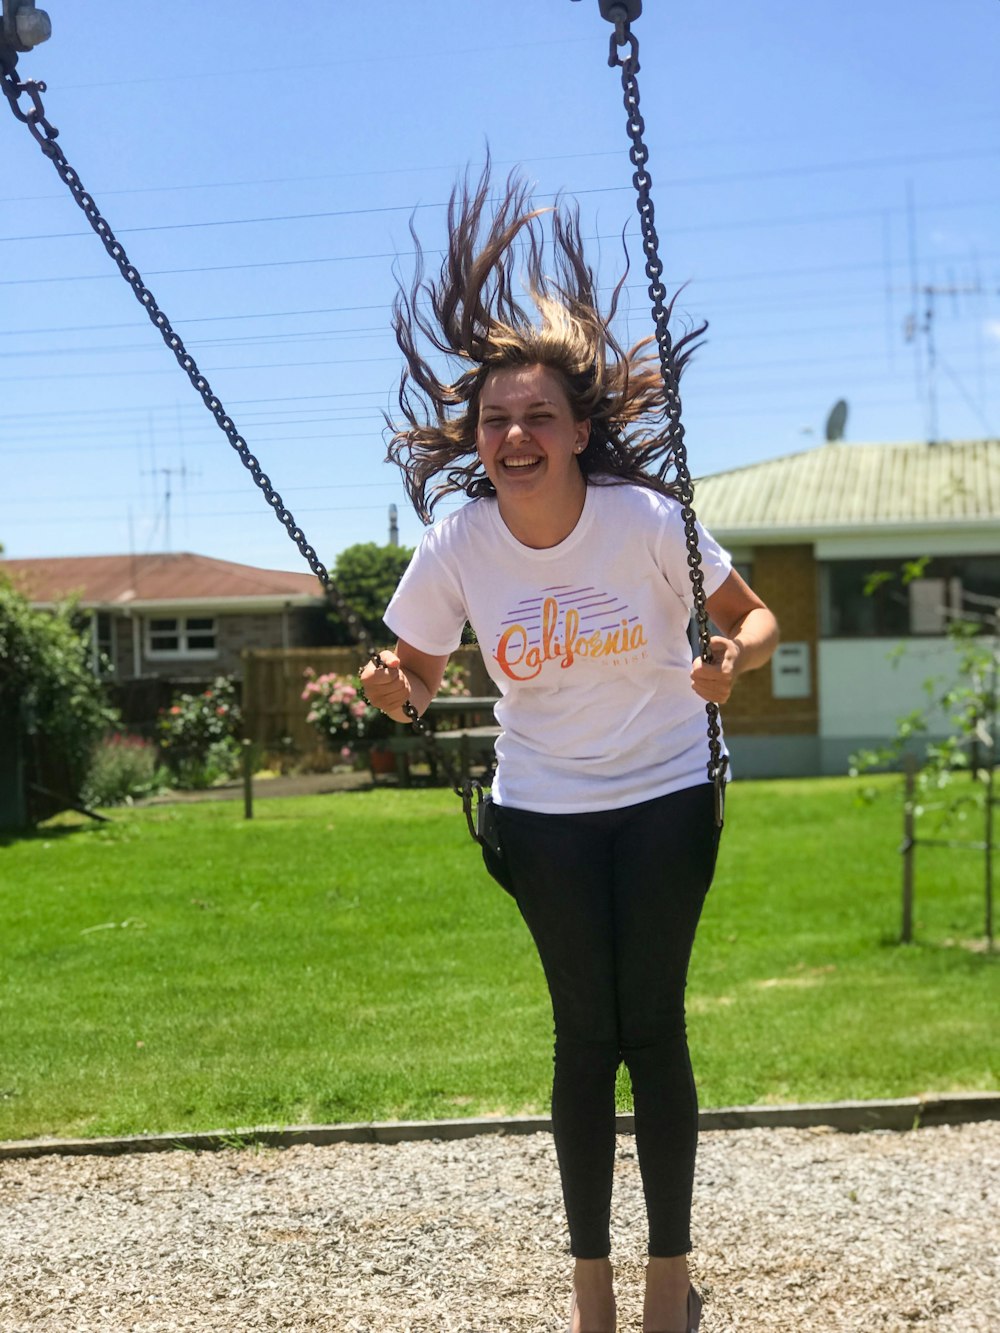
(795, 1229)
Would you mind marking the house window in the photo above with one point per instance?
(104, 642)
(896, 599)
(182, 636)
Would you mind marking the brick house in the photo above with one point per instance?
(823, 536)
(176, 618)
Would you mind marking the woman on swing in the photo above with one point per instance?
(570, 563)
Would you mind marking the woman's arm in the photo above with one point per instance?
(748, 640)
(408, 674)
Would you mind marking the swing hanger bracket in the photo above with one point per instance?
(620, 11)
(617, 11)
(24, 26)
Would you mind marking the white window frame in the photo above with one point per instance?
(182, 633)
(103, 664)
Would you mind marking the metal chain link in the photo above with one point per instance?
(641, 179)
(45, 134)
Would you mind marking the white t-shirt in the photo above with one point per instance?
(586, 641)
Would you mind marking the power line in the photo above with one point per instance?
(719, 367)
(808, 271)
(335, 362)
(375, 210)
(303, 488)
(18, 520)
(677, 182)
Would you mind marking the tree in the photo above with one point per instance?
(935, 792)
(367, 575)
(47, 687)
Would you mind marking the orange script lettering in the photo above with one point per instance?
(520, 660)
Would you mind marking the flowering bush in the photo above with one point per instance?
(456, 681)
(455, 685)
(198, 735)
(340, 714)
(122, 768)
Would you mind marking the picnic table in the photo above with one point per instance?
(470, 740)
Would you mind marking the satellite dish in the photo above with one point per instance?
(837, 420)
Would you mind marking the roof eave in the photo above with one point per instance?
(229, 605)
(771, 535)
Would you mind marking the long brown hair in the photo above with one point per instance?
(471, 314)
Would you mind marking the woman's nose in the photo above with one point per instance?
(515, 431)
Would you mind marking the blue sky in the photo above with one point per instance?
(816, 169)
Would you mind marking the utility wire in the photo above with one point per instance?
(697, 229)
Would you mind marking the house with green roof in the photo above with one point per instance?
(824, 537)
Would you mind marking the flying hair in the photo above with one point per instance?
(493, 307)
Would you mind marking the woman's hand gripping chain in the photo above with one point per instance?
(713, 681)
(387, 687)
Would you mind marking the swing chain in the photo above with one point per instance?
(45, 134)
(622, 36)
(641, 179)
(35, 119)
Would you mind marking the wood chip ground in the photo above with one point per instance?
(796, 1231)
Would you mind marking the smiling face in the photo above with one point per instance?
(528, 440)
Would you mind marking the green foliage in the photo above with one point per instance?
(197, 735)
(914, 569)
(367, 575)
(46, 676)
(122, 769)
(875, 580)
(953, 787)
(952, 776)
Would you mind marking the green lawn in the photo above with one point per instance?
(344, 958)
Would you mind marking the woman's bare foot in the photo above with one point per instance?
(665, 1307)
(594, 1297)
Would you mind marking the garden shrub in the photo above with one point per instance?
(47, 681)
(197, 735)
(123, 768)
(343, 719)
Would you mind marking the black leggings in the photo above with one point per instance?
(612, 900)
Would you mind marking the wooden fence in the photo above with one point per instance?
(274, 715)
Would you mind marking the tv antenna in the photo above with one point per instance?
(924, 325)
(922, 322)
(167, 473)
